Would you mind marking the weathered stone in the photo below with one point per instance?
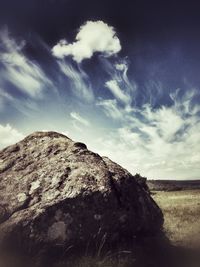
(56, 191)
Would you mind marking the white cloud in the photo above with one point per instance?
(78, 80)
(77, 117)
(4, 98)
(26, 75)
(110, 108)
(121, 66)
(166, 120)
(9, 135)
(119, 84)
(93, 36)
(161, 143)
(25, 107)
(117, 92)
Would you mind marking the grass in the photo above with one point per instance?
(92, 261)
(182, 216)
(181, 211)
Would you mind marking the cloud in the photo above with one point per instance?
(160, 143)
(121, 66)
(167, 121)
(9, 135)
(26, 75)
(79, 80)
(78, 118)
(110, 108)
(157, 141)
(117, 92)
(93, 36)
(4, 99)
(123, 89)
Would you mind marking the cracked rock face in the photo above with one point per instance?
(55, 191)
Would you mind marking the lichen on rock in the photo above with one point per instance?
(54, 190)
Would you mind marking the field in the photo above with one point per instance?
(181, 209)
(182, 216)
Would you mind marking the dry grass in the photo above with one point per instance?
(182, 216)
(182, 225)
(87, 261)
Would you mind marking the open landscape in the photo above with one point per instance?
(99, 133)
(182, 216)
(180, 203)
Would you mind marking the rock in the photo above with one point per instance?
(142, 181)
(55, 191)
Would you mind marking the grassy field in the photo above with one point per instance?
(181, 211)
(182, 216)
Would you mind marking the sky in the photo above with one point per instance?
(121, 76)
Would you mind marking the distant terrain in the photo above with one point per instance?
(173, 185)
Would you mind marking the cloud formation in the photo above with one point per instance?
(159, 143)
(93, 36)
(9, 135)
(78, 118)
(79, 80)
(118, 92)
(110, 108)
(130, 123)
(26, 75)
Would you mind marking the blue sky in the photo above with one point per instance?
(129, 95)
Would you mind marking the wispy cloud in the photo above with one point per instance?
(122, 69)
(123, 90)
(159, 139)
(24, 106)
(117, 71)
(93, 36)
(4, 99)
(110, 108)
(80, 83)
(23, 73)
(78, 118)
(118, 92)
(159, 143)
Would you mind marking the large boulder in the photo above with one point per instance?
(55, 191)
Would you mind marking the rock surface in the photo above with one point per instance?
(55, 191)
